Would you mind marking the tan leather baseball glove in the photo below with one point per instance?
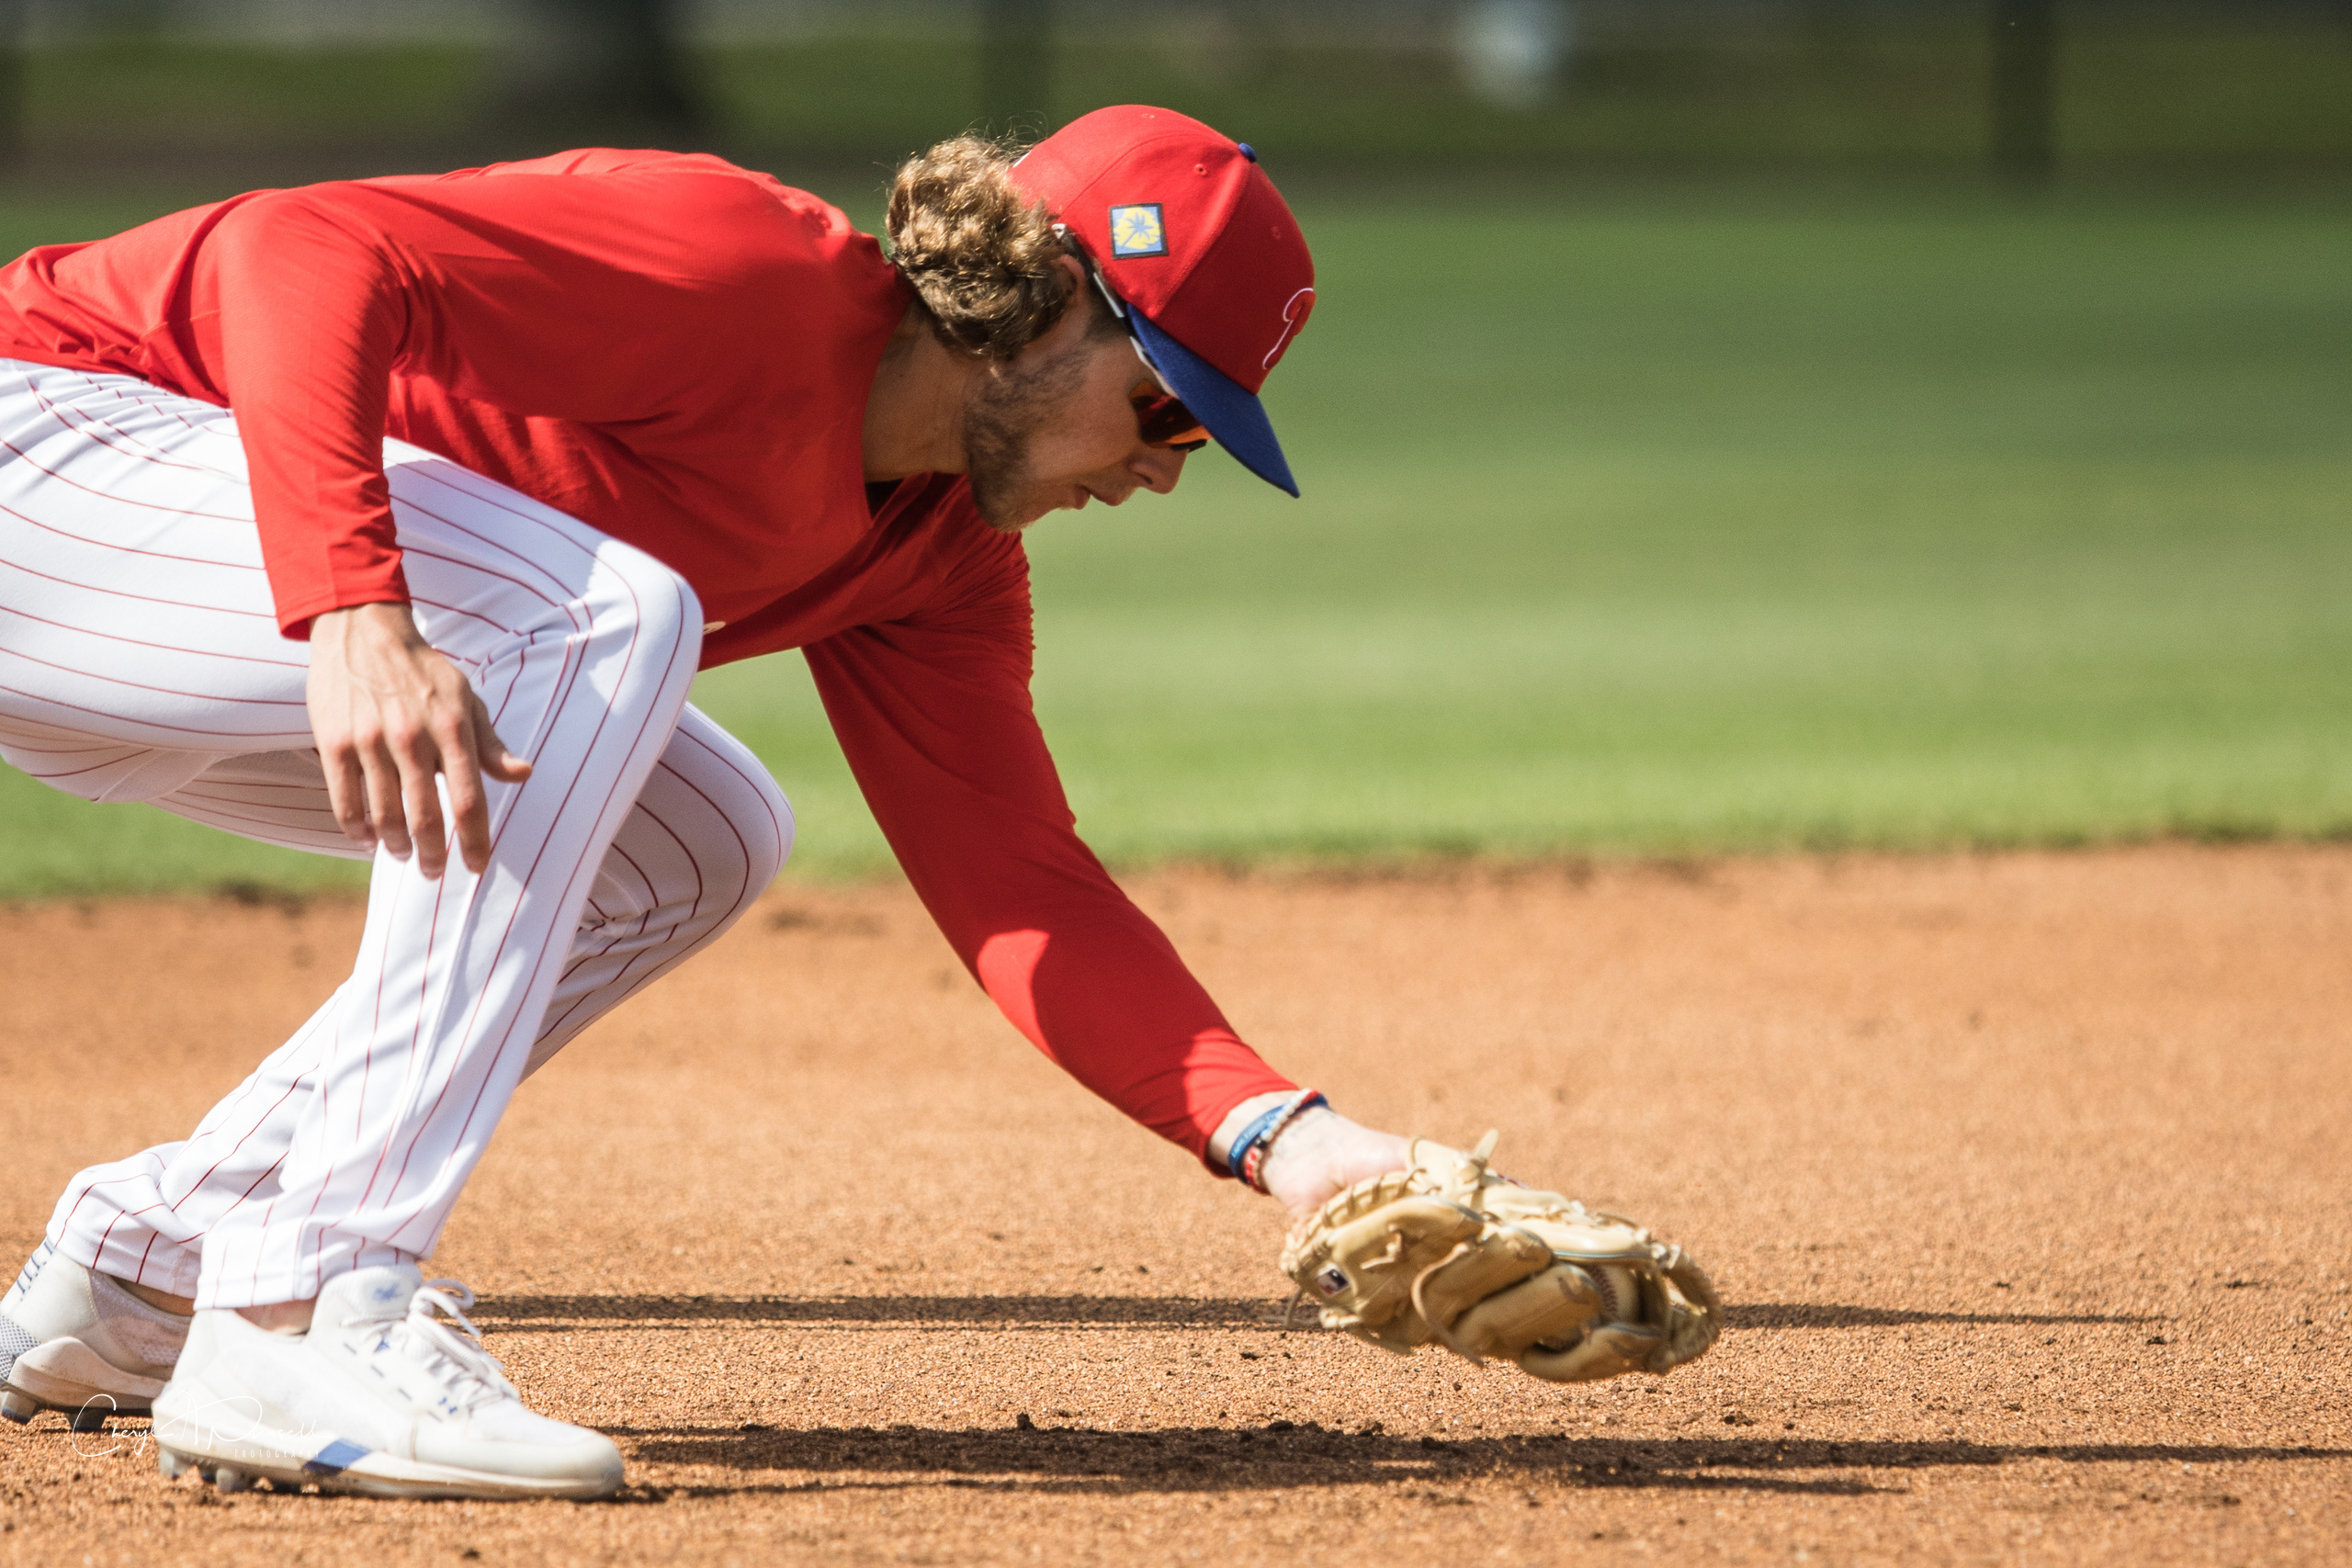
(1447, 1252)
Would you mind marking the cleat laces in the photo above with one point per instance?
(436, 1339)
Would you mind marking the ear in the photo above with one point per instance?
(1078, 311)
(1080, 306)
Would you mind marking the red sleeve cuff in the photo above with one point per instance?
(295, 615)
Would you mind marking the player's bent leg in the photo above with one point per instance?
(710, 832)
(583, 649)
(619, 650)
(136, 634)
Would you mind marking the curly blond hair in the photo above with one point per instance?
(980, 255)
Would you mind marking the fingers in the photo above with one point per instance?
(420, 764)
(394, 720)
(347, 794)
(448, 745)
(382, 771)
(460, 737)
(489, 751)
(471, 749)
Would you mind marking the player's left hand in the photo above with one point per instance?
(389, 713)
(1447, 1252)
(1323, 1153)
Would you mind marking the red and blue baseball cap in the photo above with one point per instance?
(1189, 234)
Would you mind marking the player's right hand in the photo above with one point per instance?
(389, 713)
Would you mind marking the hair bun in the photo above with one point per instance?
(980, 254)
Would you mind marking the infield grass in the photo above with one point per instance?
(1674, 524)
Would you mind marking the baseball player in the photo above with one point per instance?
(391, 518)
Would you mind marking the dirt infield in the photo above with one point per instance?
(2027, 1176)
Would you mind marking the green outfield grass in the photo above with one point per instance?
(1674, 524)
(2215, 85)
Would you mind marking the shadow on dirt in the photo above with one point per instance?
(1804, 1314)
(551, 1315)
(525, 1315)
(1051, 1459)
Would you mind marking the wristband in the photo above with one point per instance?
(1247, 1139)
(1247, 1158)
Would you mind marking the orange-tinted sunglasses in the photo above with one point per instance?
(1165, 422)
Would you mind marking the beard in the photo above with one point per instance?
(1009, 405)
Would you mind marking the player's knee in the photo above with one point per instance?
(723, 773)
(638, 599)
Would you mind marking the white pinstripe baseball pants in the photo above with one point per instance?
(139, 660)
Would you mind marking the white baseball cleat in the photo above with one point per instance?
(389, 1394)
(73, 1339)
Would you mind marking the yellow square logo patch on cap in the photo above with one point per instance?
(1138, 231)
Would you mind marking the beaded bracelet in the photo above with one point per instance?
(1247, 1158)
(1249, 1136)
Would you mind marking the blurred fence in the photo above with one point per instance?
(2167, 87)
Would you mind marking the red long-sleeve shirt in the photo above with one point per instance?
(677, 351)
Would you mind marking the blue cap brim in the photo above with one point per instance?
(1236, 418)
